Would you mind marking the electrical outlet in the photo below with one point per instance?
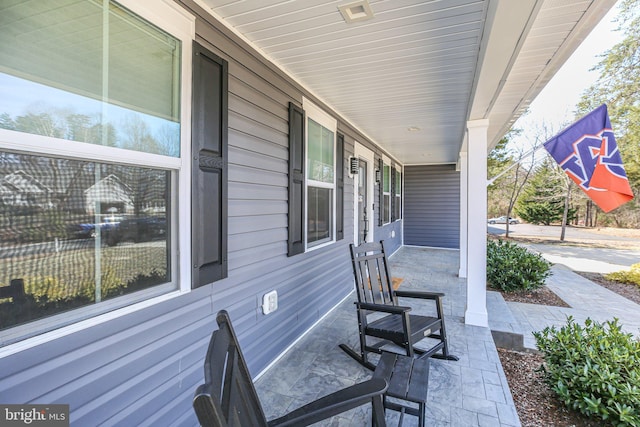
(270, 302)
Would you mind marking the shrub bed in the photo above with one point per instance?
(512, 268)
(594, 369)
(631, 276)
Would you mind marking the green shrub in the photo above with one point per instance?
(512, 268)
(631, 276)
(594, 369)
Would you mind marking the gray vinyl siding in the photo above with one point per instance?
(432, 206)
(391, 234)
(142, 368)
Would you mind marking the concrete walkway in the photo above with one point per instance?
(587, 300)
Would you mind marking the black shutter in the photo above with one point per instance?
(340, 187)
(381, 193)
(393, 194)
(296, 181)
(209, 168)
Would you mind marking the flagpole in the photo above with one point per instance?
(514, 164)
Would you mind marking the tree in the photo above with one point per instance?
(498, 161)
(619, 87)
(511, 168)
(6, 122)
(543, 198)
(137, 136)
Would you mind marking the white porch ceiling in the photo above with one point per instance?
(430, 65)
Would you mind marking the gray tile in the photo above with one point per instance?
(508, 414)
(487, 421)
(490, 377)
(495, 393)
(314, 385)
(462, 417)
(438, 410)
(481, 406)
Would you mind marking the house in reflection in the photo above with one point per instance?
(109, 195)
(21, 190)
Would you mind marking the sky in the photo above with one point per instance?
(554, 106)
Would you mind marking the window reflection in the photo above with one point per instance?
(89, 71)
(24, 107)
(75, 233)
(319, 214)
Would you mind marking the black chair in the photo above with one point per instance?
(228, 397)
(392, 323)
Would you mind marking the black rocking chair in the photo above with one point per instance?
(393, 323)
(228, 397)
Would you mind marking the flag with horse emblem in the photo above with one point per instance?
(588, 153)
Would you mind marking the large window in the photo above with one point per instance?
(320, 179)
(90, 159)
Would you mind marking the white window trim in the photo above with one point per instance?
(400, 170)
(173, 19)
(315, 113)
(386, 161)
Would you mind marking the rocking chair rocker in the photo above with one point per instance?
(393, 323)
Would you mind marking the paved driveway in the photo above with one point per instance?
(552, 232)
(587, 300)
(593, 260)
(578, 258)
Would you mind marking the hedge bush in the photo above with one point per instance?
(631, 276)
(594, 369)
(513, 268)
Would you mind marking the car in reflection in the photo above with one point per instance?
(137, 230)
(502, 220)
(86, 230)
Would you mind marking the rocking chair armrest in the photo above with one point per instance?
(333, 404)
(391, 309)
(419, 294)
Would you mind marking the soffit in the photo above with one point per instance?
(430, 65)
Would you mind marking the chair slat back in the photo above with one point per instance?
(229, 398)
(371, 273)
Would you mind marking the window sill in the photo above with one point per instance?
(320, 246)
(63, 331)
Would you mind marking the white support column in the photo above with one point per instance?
(464, 213)
(476, 310)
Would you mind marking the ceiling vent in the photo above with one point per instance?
(354, 12)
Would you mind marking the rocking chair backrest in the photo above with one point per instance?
(228, 397)
(371, 273)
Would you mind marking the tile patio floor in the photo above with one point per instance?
(466, 393)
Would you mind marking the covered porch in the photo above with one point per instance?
(417, 91)
(470, 392)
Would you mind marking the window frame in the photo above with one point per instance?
(386, 164)
(315, 113)
(398, 194)
(177, 22)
